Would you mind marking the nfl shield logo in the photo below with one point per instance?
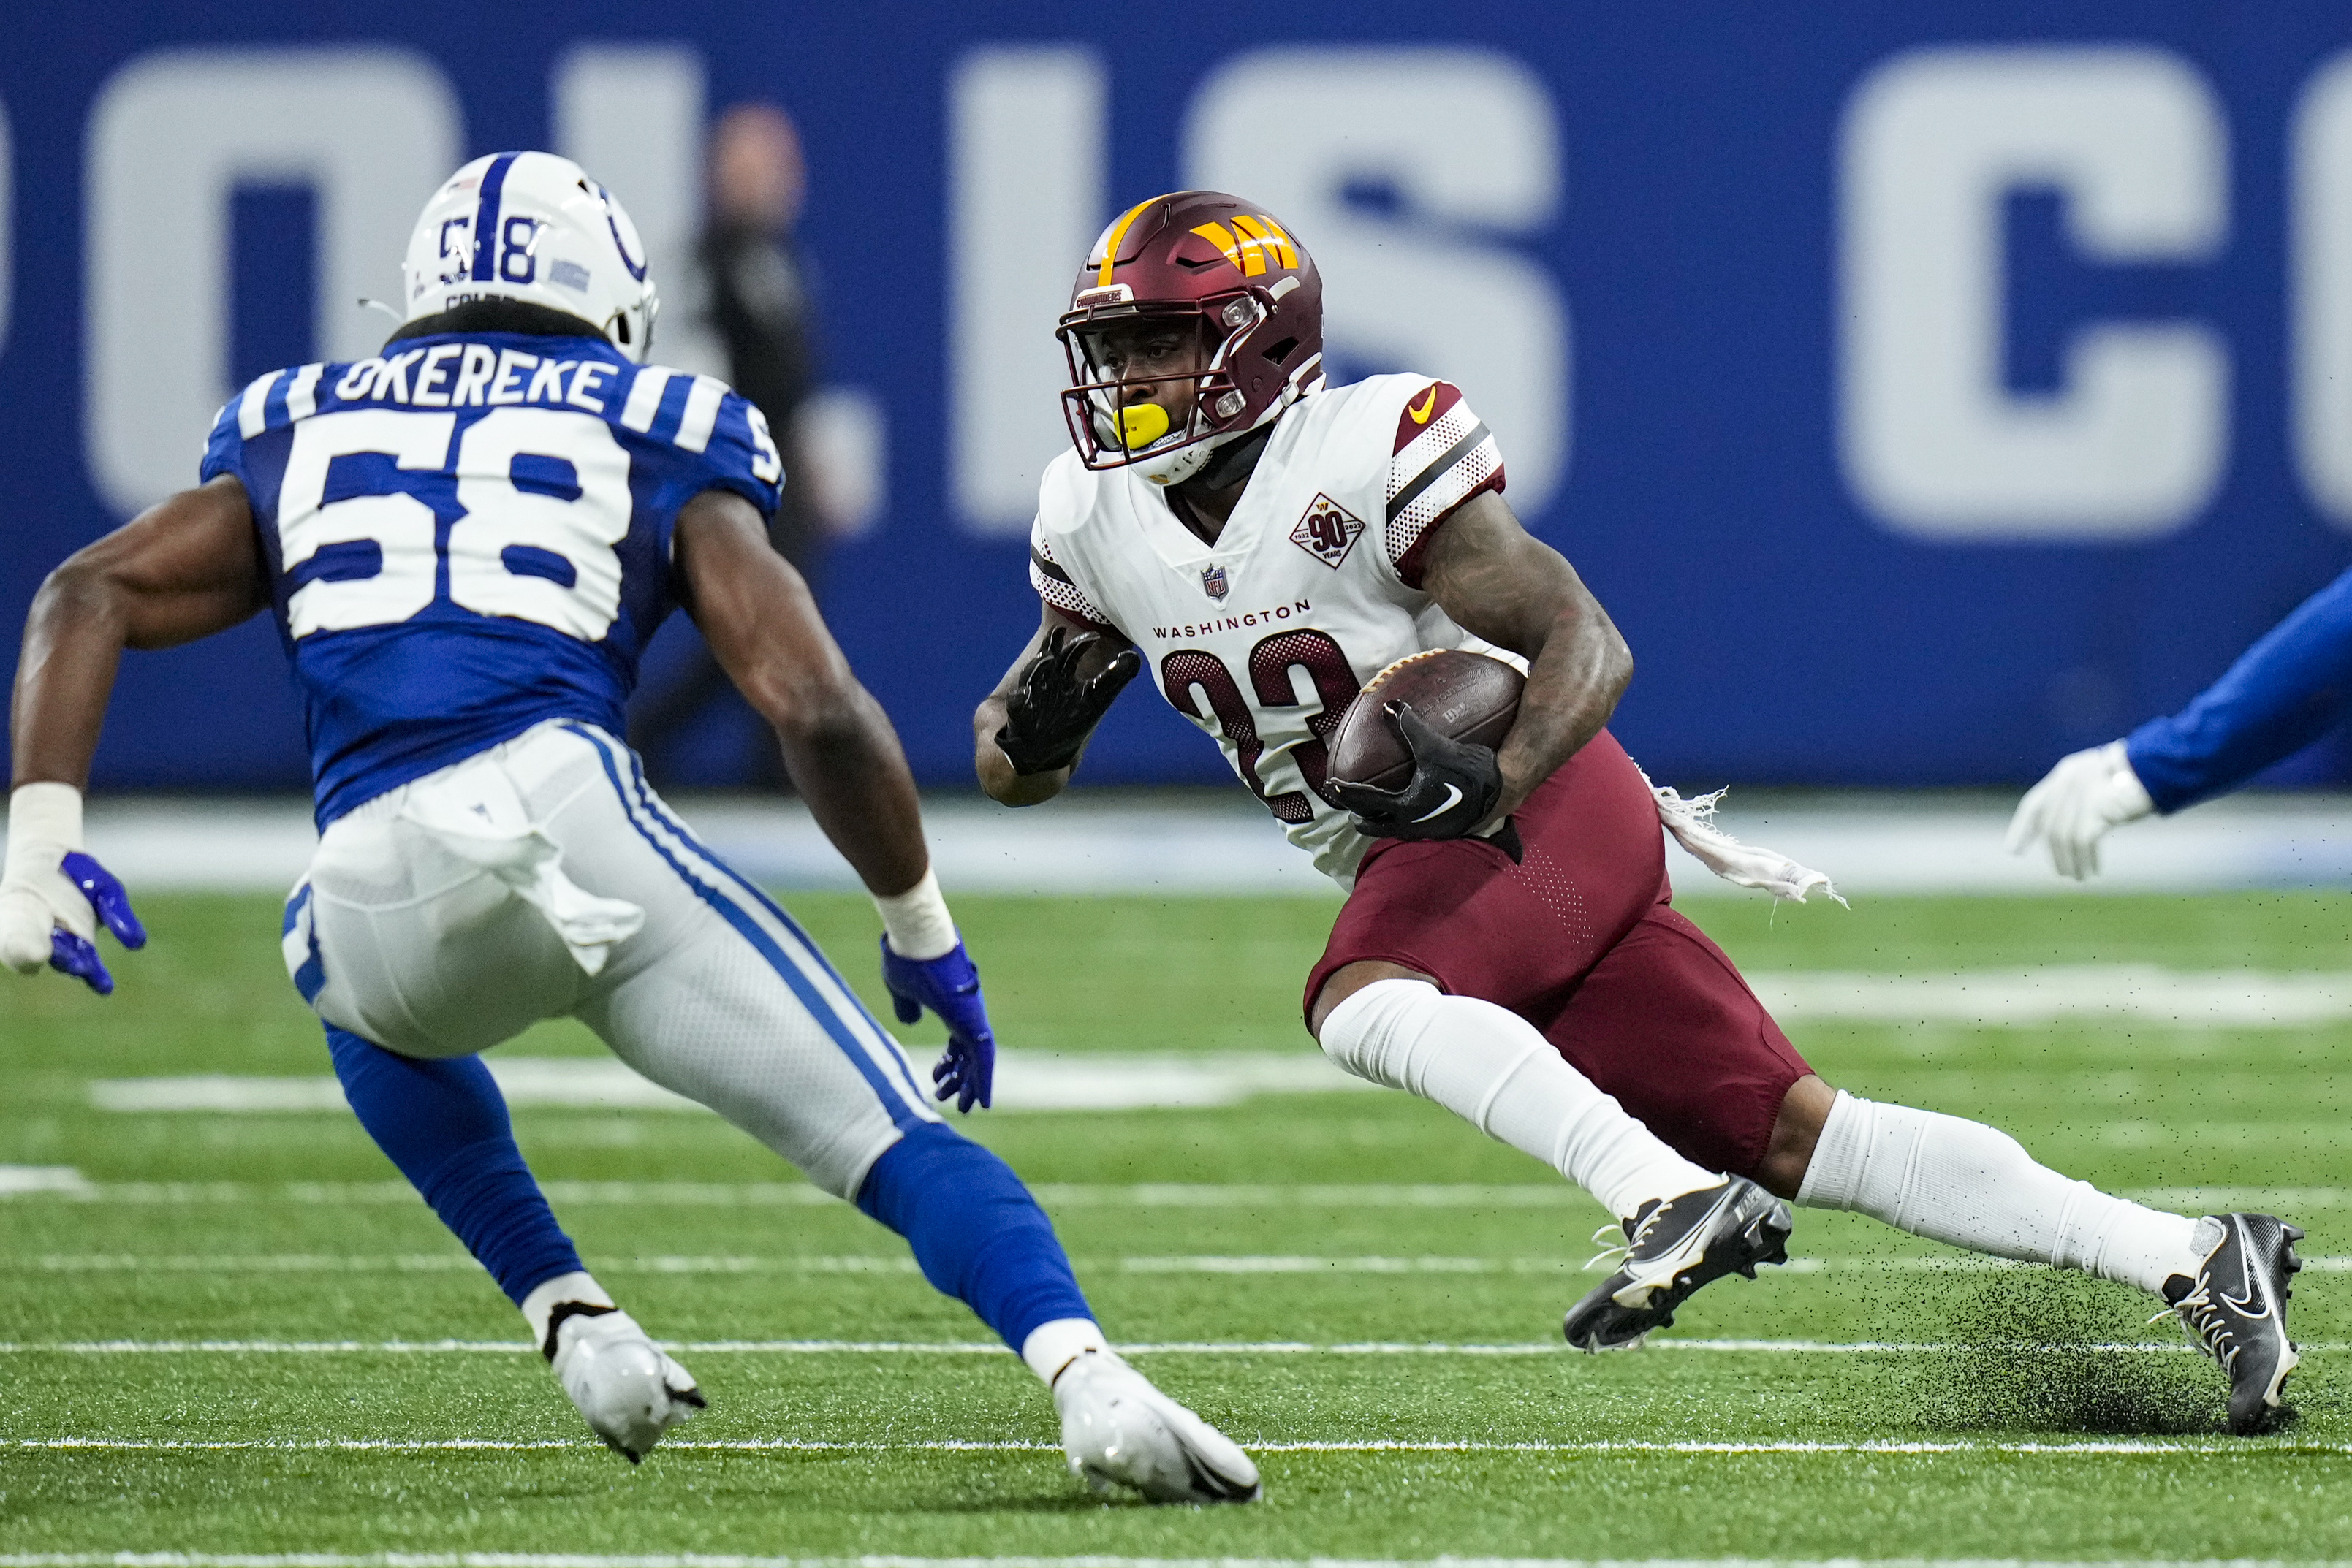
(1213, 581)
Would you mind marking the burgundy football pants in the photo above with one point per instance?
(1578, 938)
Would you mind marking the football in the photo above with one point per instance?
(1468, 696)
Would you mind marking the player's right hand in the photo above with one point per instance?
(949, 986)
(2075, 806)
(51, 904)
(1454, 787)
(1046, 722)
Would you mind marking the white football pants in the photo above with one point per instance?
(543, 878)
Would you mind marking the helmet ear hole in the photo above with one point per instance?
(1277, 352)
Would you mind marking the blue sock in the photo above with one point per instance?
(445, 1125)
(977, 1233)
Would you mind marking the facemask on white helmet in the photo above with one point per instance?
(533, 227)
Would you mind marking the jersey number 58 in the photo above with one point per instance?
(546, 499)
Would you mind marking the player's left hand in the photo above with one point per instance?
(2076, 804)
(51, 908)
(950, 987)
(1047, 721)
(1454, 787)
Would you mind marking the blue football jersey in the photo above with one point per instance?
(470, 534)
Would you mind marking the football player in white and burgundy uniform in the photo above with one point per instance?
(465, 541)
(1264, 544)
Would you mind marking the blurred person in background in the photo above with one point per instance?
(2284, 692)
(755, 297)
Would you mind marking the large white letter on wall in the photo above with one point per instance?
(1026, 129)
(8, 213)
(633, 116)
(172, 136)
(1933, 443)
(1468, 141)
(2321, 318)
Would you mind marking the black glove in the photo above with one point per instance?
(1453, 788)
(1048, 720)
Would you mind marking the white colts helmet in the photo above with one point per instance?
(534, 227)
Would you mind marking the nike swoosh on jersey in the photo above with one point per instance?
(1421, 413)
(1453, 799)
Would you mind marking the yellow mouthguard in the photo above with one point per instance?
(1142, 423)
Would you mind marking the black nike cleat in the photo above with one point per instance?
(1673, 1246)
(2235, 1309)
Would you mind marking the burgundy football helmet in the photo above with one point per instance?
(1210, 258)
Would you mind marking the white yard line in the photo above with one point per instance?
(1025, 1081)
(1041, 1080)
(974, 1347)
(63, 1183)
(2141, 993)
(2205, 1448)
(900, 1263)
(576, 1560)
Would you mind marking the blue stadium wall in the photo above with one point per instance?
(1926, 390)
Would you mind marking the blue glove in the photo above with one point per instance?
(71, 954)
(950, 987)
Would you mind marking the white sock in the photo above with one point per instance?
(1972, 1185)
(1053, 1346)
(539, 1305)
(1496, 1070)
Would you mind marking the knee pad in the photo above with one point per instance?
(1361, 1034)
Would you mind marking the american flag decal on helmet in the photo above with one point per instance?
(1445, 454)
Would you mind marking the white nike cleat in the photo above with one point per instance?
(1672, 1248)
(1116, 1426)
(630, 1392)
(2235, 1310)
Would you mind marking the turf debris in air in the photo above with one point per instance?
(2039, 1350)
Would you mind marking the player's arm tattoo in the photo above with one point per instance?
(184, 569)
(763, 627)
(1030, 732)
(1497, 581)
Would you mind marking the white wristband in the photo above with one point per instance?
(2127, 800)
(540, 1304)
(45, 814)
(917, 920)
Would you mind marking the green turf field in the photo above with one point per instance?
(1355, 1285)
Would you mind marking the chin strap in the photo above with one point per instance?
(1236, 461)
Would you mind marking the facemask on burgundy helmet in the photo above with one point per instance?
(1206, 263)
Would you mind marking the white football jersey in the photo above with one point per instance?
(1265, 638)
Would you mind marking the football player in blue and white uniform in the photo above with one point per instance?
(466, 541)
(2294, 685)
